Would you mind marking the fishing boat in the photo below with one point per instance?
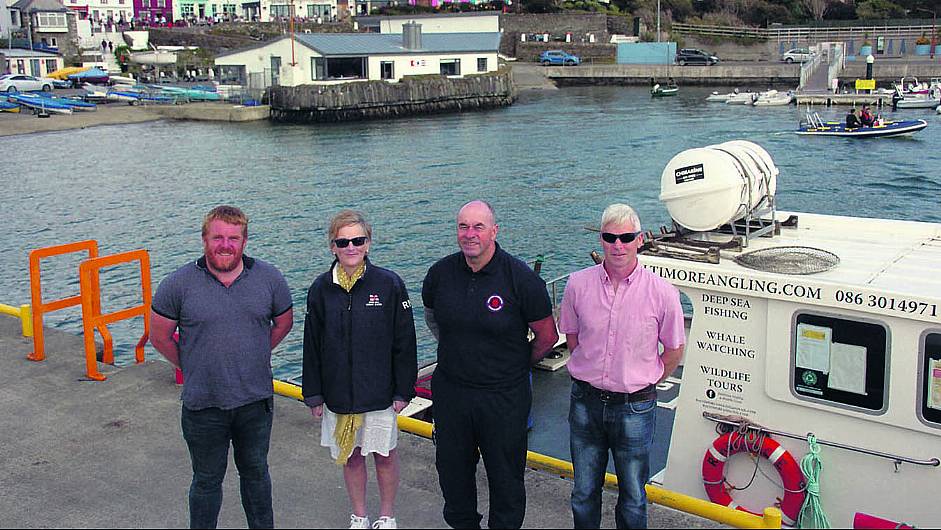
(39, 103)
(815, 126)
(808, 344)
(659, 91)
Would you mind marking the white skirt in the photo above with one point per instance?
(379, 433)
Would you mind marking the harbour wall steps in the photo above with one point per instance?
(379, 99)
(76, 453)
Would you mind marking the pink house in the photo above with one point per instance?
(150, 11)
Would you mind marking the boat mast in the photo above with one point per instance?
(291, 23)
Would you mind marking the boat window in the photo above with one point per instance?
(930, 394)
(840, 362)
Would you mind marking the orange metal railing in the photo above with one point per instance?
(92, 317)
(35, 284)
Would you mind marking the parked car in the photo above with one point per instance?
(558, 57)
(24, 83)
(693, 56)
(797, 55)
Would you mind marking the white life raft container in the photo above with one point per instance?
(705, 188)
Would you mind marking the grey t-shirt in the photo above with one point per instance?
(225, 332)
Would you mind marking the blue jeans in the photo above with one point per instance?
(627, 431)
(208, 433)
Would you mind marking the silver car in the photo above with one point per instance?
(797, 55)
(24, 83)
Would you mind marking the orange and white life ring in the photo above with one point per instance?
(733, 443)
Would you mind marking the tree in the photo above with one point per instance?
(879, 10)
(817, 8)
(540, 6)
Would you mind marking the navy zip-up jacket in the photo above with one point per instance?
(359, 347)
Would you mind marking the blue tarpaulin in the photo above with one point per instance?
(90, 75)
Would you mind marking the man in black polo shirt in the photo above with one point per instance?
(480, 303)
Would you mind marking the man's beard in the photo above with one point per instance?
(221, 265)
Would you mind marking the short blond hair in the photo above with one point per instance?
(227, 214)
(620, 214)
(347, 218)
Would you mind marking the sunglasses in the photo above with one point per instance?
(342, 242)
(626, 237)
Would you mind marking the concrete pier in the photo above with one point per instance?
(76, 453)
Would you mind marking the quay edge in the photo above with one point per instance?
(77, 453)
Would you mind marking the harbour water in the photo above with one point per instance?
(548, 164)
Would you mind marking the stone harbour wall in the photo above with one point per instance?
(380, 99)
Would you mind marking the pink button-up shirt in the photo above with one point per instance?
(618, 333)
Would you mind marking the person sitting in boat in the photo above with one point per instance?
(852, 120)
(865, 117)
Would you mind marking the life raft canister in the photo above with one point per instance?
(733, 443)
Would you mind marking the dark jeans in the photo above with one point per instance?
(208, 433)
(627, 431)
(468, 419)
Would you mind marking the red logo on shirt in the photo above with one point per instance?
(495, 303)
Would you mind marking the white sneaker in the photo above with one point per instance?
(358, 522)
(385, 522)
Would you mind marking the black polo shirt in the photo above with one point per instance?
(483, 318)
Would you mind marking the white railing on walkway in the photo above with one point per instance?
(837, 61)
(809, 67)
(804, 34)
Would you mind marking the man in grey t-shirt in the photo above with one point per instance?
(231, 311)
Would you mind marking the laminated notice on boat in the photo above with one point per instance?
(813, 347)
(847, 368)
(934, 384)
(689, 174)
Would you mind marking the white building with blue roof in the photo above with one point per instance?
(330, 58)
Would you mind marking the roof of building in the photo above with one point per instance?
(345, 44)
(391, 43)
(40, 5)
(19, 52)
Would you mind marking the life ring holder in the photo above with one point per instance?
(756, 443)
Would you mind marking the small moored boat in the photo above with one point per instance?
(659, 91)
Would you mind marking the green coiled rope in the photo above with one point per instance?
(812, 514)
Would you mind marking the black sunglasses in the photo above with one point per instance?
(342, 242)
(626, 237)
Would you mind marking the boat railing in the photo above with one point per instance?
(739, 423)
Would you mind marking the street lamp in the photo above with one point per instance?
(934, 28)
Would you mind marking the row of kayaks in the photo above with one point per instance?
(768, 98)
(158, 94)
(43, 103)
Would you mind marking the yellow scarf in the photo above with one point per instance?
(347, 424)
(345, 435)
(347, 281)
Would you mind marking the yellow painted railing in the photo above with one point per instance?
(24, 313)
(657, 495)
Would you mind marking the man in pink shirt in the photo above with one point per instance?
(615, 316)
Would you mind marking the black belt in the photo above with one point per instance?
(618, 398)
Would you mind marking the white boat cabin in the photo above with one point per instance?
(851, 354)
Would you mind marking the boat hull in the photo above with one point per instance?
(899, 128)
